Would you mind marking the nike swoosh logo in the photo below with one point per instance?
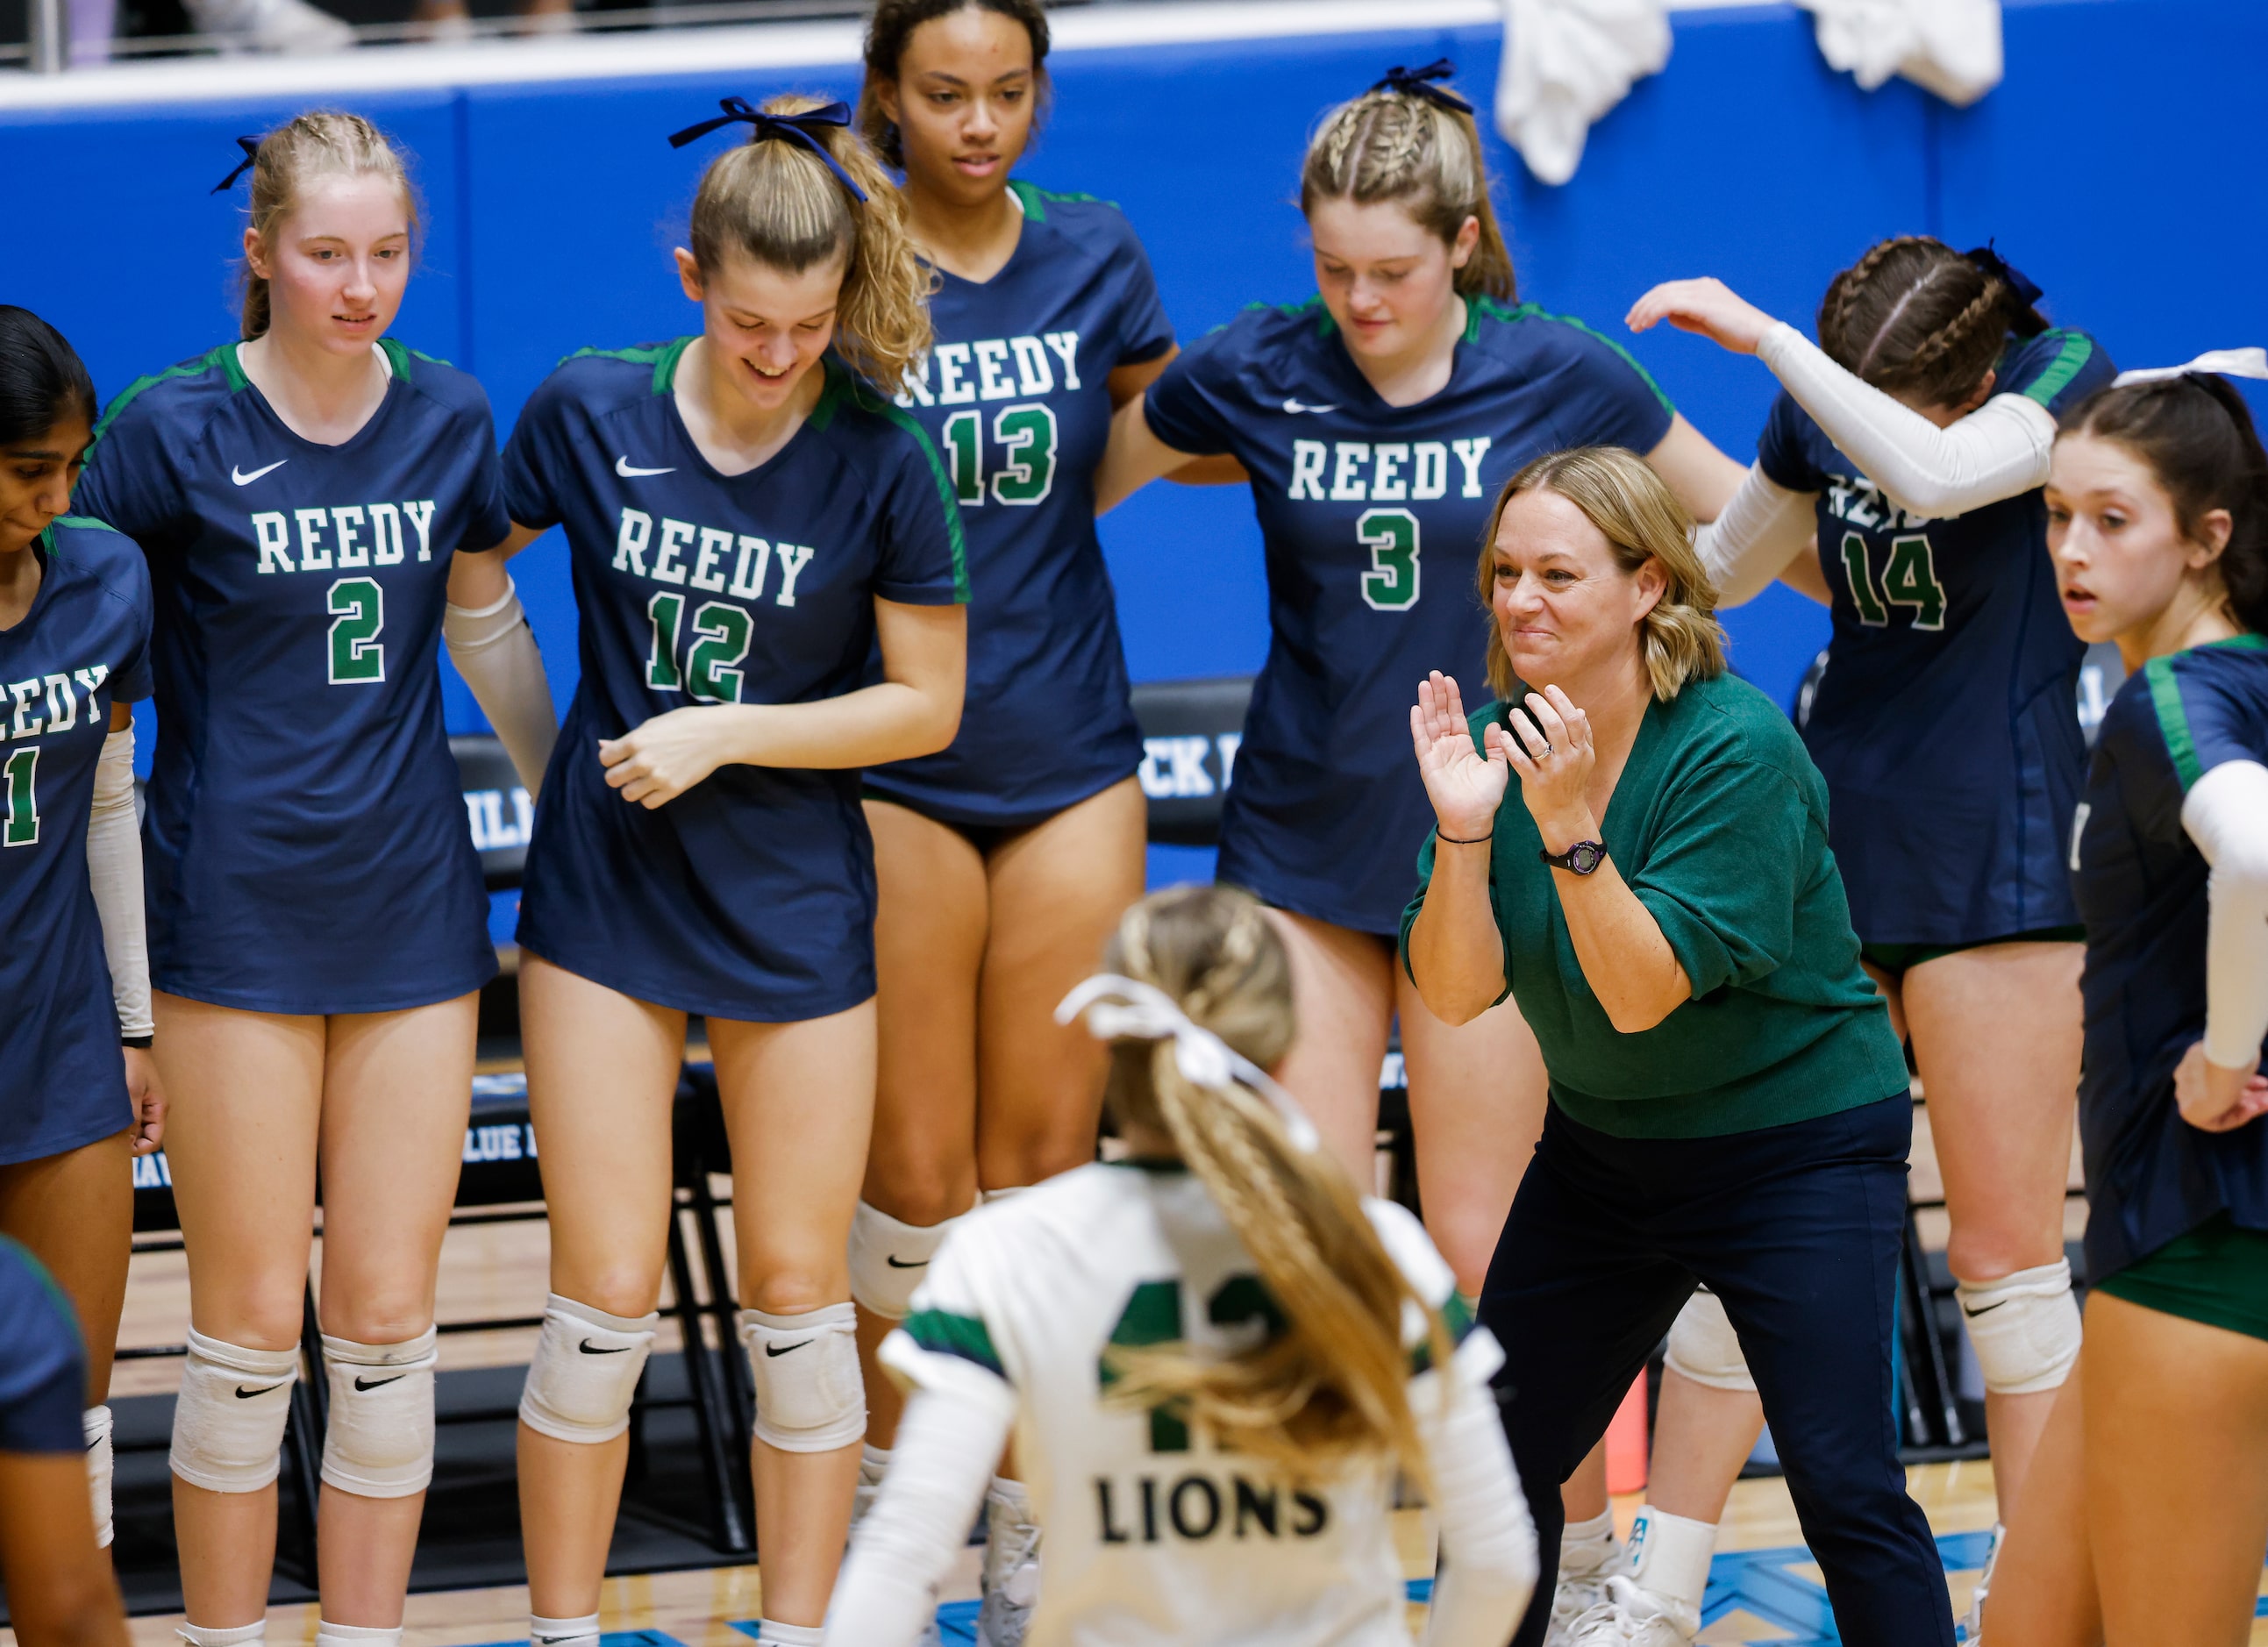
(243, 1394)
(895, 1262)
(1297, 405)
(242, 479)
(590, 1348)
(622, 467)
(1987, 1310)
(362, 1382)
(781, 1350)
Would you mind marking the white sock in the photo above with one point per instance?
(771, 1630)
(873, 1463)
(330, 1635)
(1585, 1544)
(552, 1632)
(1011, 1497)
(235, 1635)
(94, 1426)
(1669, 1555)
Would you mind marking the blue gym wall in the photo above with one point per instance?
(2116, 164)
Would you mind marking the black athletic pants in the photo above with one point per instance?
(1798, 1230)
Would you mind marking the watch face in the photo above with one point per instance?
(1586, 856)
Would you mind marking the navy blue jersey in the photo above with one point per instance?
(1944, 724)
(83, 646)
(2141, 887)
(43, 1359)
(306, 838)
(750, 896)
(1373, 517)
(1016, 394)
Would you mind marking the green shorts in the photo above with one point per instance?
(1895, 959)
(2217, 1274)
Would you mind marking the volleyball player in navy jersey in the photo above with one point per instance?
(75, 619)
(1006, 859)
(2148, 1506)
(1911, 441)
(318, 928)
(748, 517)
(1379, 420)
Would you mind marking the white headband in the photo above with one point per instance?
(2230, 363)
(1126, 1009)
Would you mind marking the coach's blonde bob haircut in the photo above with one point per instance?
(1641, 520)
(1328, 1381)
(777, 204)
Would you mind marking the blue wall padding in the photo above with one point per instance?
(2120, 164)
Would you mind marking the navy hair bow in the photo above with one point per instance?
(251, 147)
(1415, 83)
(796, 129)
(2028, 292)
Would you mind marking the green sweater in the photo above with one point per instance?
(1719, 824)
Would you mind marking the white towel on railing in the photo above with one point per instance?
(1949, 46)
(1565, 63)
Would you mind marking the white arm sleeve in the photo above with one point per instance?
(114, 866)
(495, 651)
(2000, 450)
(1488, 1543)
(948, 1441)
(1763, 528)
(2226, 814)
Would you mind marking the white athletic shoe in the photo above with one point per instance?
(1011, 1577)
(1580, 1590)
(270, 25)
(1632, 1616)
(1971, 1630)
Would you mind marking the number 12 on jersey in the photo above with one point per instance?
(708, 669)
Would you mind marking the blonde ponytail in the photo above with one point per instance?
(1404, 147)
(778, 203)
(319, 143)
(1329, 1383)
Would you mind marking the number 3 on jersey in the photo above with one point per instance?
(1391, 537)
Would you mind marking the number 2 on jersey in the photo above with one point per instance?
(1910, 580)
(1391, 537)
(23, 825)
(358, 608)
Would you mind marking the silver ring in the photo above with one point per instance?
(1546, 755)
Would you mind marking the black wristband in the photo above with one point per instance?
(143, 1041)
(1481, 839)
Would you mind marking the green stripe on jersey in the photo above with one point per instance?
(945, 1334)
(1034, 199)
(944, 493)
(85, 523)
(662, 358)
(2076, 350)
(1456, 1319)
(2173, 719)
(223, 359)
(1477, 309)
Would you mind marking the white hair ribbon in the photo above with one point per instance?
(2230, 363)
(1126, 1009)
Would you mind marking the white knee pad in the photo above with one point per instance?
(2024, 1329)
(94, 1425)
(1704, 1347)
(809, 1395)
(229, 1418)
(584, 1372)
(888, 1259)
(379, 1440)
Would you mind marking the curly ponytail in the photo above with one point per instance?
(1913, 316)
(778, 203)
(1329, 1382)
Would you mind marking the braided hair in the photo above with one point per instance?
(1399, 146)
(1914, 317)
(2196, 435)
(1328, 1382)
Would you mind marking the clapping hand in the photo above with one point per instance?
(1553, 754)
(2215, 1098)
(1465, 784)
(1708, 306)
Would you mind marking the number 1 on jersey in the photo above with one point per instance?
(23, 825)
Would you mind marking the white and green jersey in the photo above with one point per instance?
(1153, 1532)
